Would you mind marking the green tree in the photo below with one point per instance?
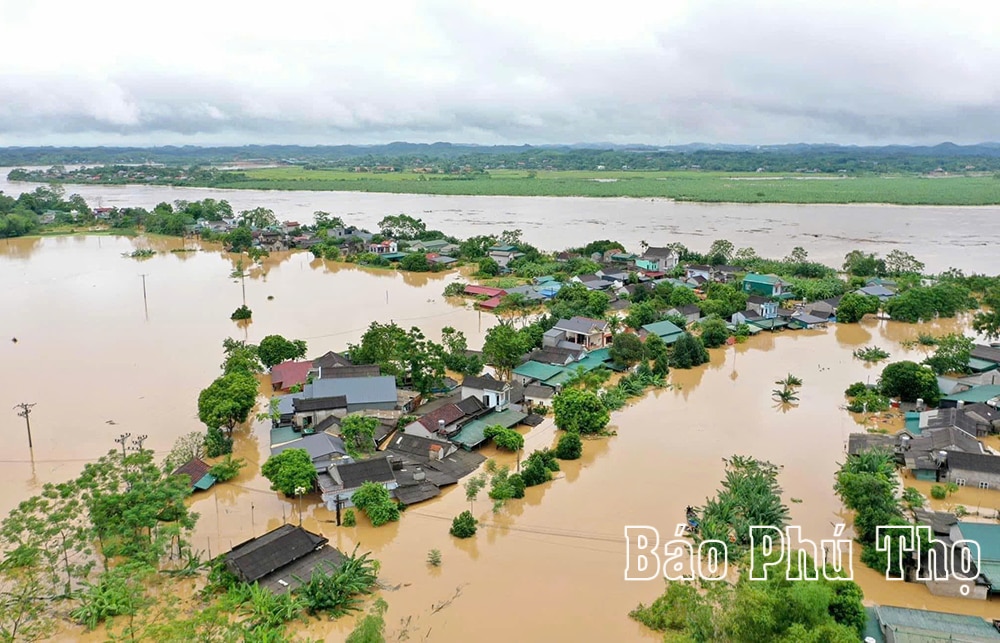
(488, 267)
(580, 411)
(415, 262)
(503, 349)
(898, 263)
(239, 240)
(867, 484)
(714, 332)
(721, 249)
(504, 438)
(186, 448)
(409, 356)
(853, 307)
(375, 500)
(275, 349)
(227, 401)
(750, 495)
(688, 352)
(862, 264)
(464, 525)
(290, 470)
(359, 434)
(654, 346)
(640, 314)
(987, 321)
(909, 382)
(241, 356)
(952, 354)
(569, 447)
(626, 349)
(683, 297)
(258, 218)
(402, 226)
(473, 486)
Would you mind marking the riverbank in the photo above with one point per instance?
(974, 189)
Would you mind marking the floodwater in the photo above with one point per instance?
(961, 235)
(98, 364)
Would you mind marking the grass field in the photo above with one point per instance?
(683, 186)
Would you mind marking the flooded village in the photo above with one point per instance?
(109, 348)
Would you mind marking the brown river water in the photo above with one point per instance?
(98, 364)
(941, 237)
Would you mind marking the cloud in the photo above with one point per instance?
(513, 72)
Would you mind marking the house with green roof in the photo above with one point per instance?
(767, 286)
(473, 434)
(531, 371)
(905, 625)
(668, 331)
(975, 395)
(987, 535)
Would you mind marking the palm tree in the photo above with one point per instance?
(790, 381)
(785, 395)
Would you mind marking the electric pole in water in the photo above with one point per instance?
(137, 443)
(25, 412)
(122, 439)
(145, 305)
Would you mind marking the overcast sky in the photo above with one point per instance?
(212, 72)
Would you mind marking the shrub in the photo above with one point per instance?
(217, 443)
(227, 469)
(350, 519)
(434, 558)
(856, 389)
(570, 447)
(938, 492)
(464, 525)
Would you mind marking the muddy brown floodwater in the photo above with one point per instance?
(98, 366)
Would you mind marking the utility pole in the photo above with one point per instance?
(145, 305)
(298, 492)
(25, 412)
(122, 440)
(137, 443)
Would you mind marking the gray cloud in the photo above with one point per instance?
(710, 71)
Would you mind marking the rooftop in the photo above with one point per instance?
(913, 626)
(772, 280)
(663, 328)
(450, 413)
(319, 403)
(358, 390)
(977, 394)
(471, 434)
(584, 325)
(288, 374)
(354, 474)
(537, 370)
(484, 382)
(258, 557)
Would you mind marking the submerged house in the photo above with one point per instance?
(584, 331)
(657, 259)
(279, 558)
(493, 393)
(340, 481)
(198, 472)
(766, 285)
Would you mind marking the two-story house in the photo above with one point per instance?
(584, 331)
(503, 255)
(494, 393)
(657, 260)
(766, 285)
(384, 247)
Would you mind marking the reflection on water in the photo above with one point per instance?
(87, 356)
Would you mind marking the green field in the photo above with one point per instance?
(683, 186)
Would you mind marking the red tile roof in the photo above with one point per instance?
(484, 290)
(449, 413)
(195, 469)
(492, 302)
(287, 374)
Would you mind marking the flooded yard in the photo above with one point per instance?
(98, 365)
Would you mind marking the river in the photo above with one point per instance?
(941, 237)
(98, 363)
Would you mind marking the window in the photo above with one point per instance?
(486, 400)
(960, 482)
(984, 485)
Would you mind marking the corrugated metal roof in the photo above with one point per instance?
(537, 370)
(471, 434)
(918, 625)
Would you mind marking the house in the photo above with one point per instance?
(925, 454)
(532, 371)
(503, 254)
(308, 412)
(323, 448)
(989, 394)
(942, 557)
(288, 374)
(905, 625)
(657, 259)
(976, 470)
(538, 395)
(563, 257)
(330, 359)
(883, 293)
(443, 463)
(442, 422)
(473, 433)
(435, 245)
(766, 308)
(724, 274)
(354, 370)
(281, 558)
(668, 331)
(555, 355)
(383, 247)
(766, 285)
(493, 393)
(593, 282)
(987, 358)
(362, 393)
(979, 420)
(198, 472)
(988, 537)
(485, 291)
(698, 270)
(691, 312)
(348, 478)
(805, 320)
(824, 309)
(584, 331)
(443, 260)
(290, 226)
